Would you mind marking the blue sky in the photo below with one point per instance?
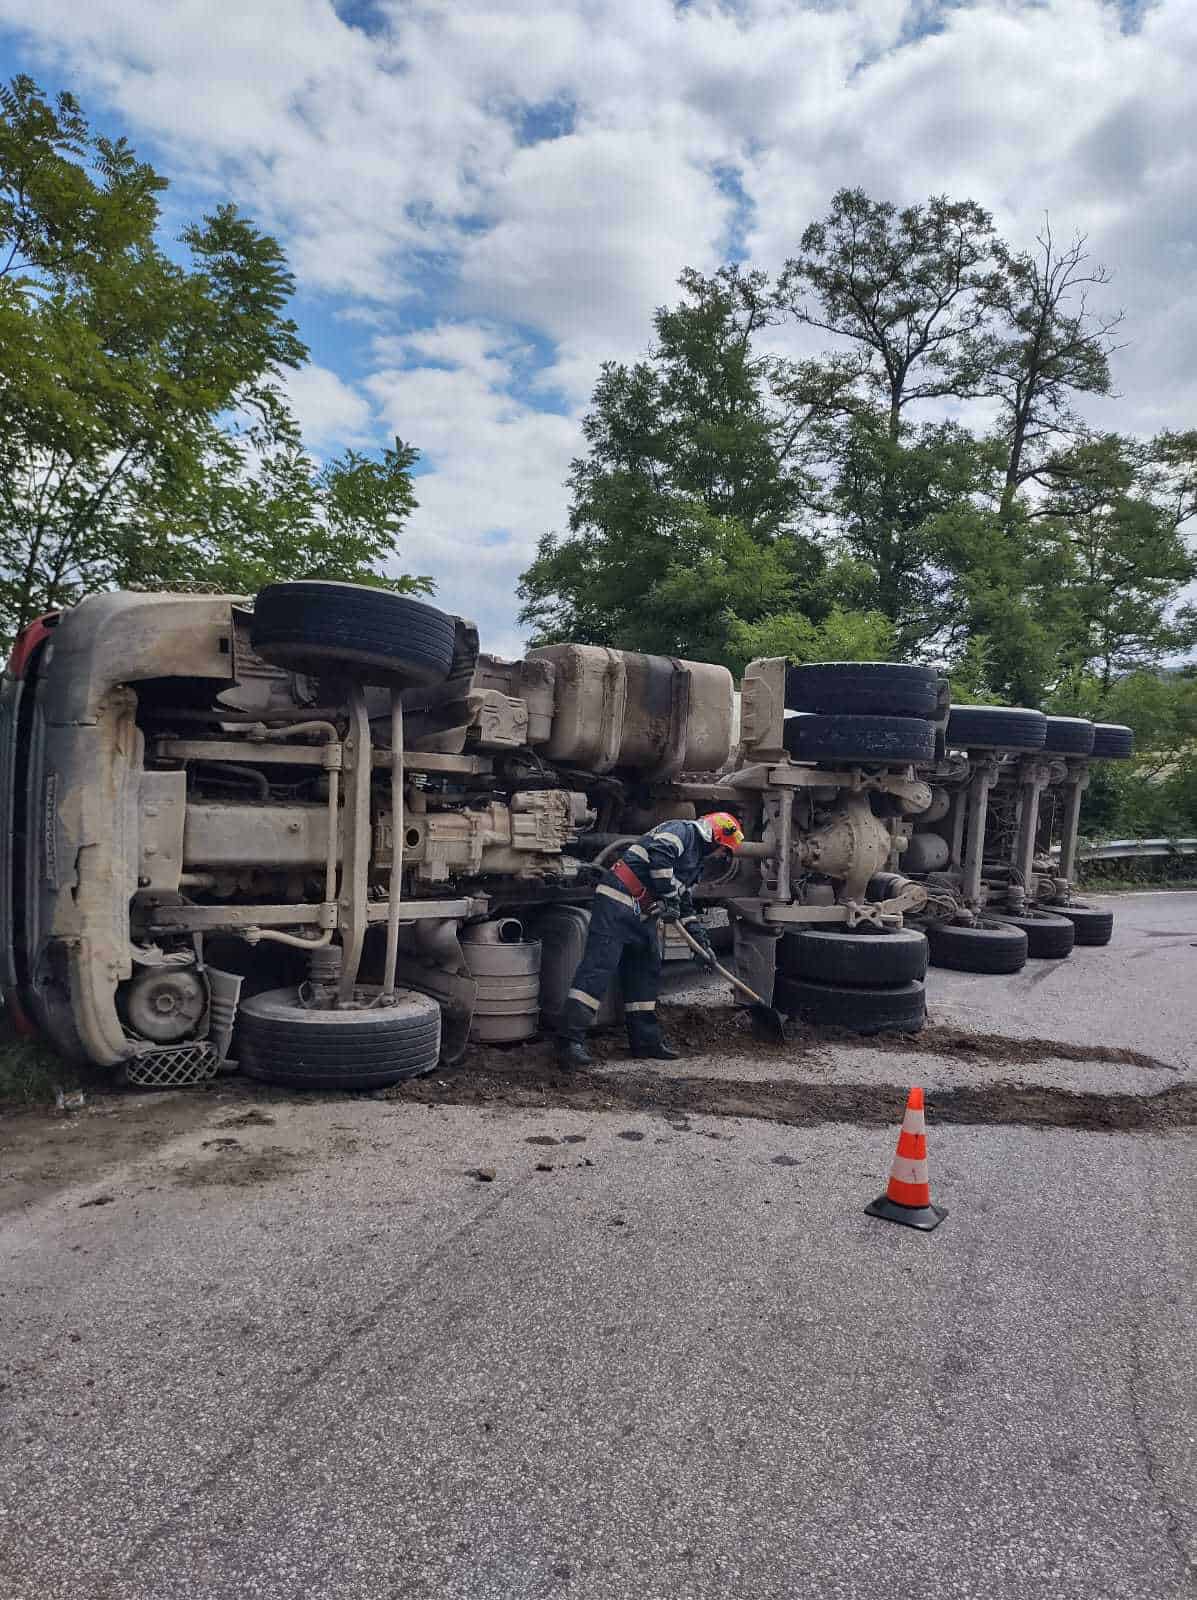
(483, 200)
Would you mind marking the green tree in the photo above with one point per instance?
(731, 501)
(840, 636)
(263, 510)
(1042, 348)
(906, 290)
(1173, 474)
(143, 434)
(692, 506)
(1003, 601)
(892, 499)
(1155, 794)
(1111, 507)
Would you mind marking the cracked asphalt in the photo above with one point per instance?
(279, 1347)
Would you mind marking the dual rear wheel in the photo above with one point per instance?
(865, 980)
(1049, 937)
(987, 945)
(1001, 941)
(872, 713)
(1094, 925)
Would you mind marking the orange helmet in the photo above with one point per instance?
(725, 830)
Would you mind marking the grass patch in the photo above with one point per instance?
(1139, 872)
(30, 1073)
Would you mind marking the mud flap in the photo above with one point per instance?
(756, 956)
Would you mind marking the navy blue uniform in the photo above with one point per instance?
(623, 938)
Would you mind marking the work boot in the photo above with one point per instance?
(572, 1055)
(648, 1043)
(571, 1042)
(659, 1050)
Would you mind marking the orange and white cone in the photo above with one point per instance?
(907, 1198)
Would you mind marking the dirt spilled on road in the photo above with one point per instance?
(799, 1104)
(224, 1162)
(528, 1077)
(727, 1030)
(961, 1045)
(800, 1082)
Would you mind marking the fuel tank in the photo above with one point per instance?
(618, 710)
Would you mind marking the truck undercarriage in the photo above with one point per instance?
(325, 828)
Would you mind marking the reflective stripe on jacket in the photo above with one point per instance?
(669, 858)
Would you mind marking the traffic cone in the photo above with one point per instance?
(907, 1198)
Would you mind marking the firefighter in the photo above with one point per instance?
(648, 884)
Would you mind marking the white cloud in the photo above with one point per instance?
(591, 232)
(361, 150)
(330, 411)
(498, 466)
(1031, 110)
(499, 274)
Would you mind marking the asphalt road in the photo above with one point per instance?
(1136, 991)
(327, 1360)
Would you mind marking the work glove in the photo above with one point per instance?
(704, 956)
(669, 907)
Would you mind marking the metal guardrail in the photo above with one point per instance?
(1128, 849)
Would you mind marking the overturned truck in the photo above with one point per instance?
(324, 834)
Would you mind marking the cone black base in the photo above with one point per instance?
(925, 1218)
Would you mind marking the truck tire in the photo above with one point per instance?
(281, 1041)
(311, 626)
(1094, 925)
(995, 728)
(1112, 742)
(989, 946)
(852, 956)
(863, 688)
(1050, 937)
(897, 1008)
(1069, 736)
(874, 741)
